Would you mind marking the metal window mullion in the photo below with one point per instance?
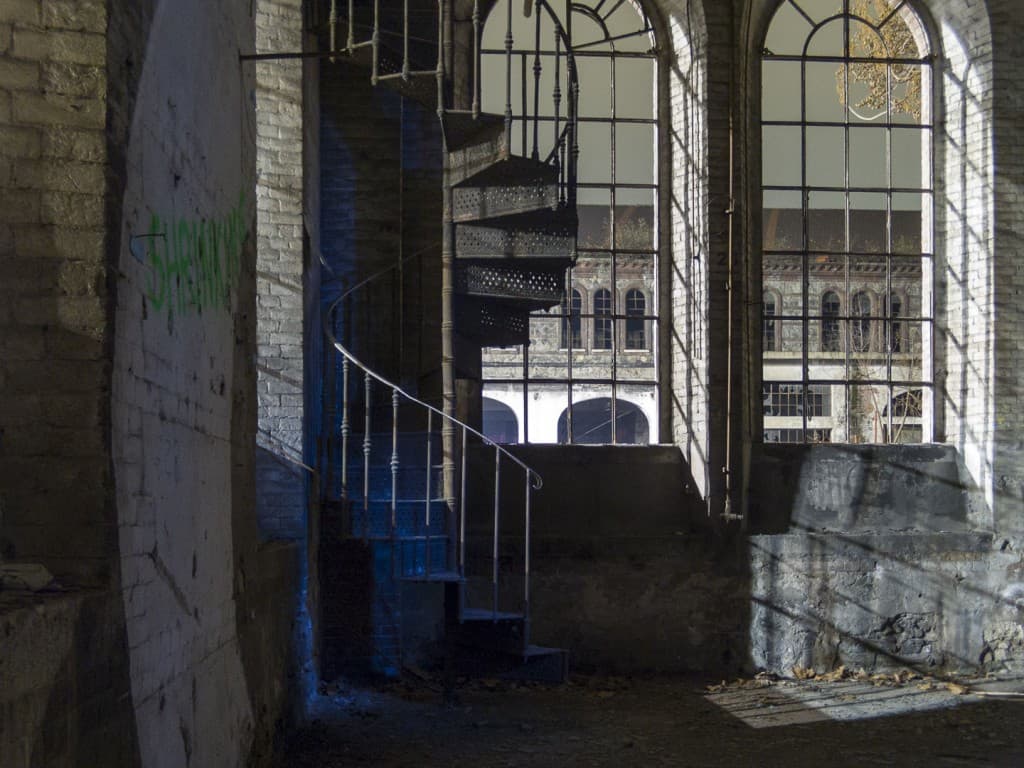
(888, 322)
(612, 235)
(805, 198)
(569, 349)
(847, 330)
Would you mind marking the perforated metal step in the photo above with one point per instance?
(490, 322)
(538, 235)
(534, 284)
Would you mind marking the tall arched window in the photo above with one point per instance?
(603, 319)
(895, 328)
(846, 134)
(615, 55)
(636, 308)
(860, 324)
(572, 327)
(830, 322)
(770, 308)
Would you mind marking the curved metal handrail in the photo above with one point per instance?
(537, 480)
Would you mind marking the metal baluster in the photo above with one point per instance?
(574, 100)
(525, 112)
(333, 22)
(405, 43)
(526, 552)
(536, 85)
(508, 74)
(497, 521)
(462, 507)
(394, 461)
(440, 58)
(375, 40)
(351, 42)
(476, 58)
(367, 443)
(558, 112)
(345, 427)
(430, 440)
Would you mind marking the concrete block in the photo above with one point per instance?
(19, 142)
(19, 75)
(72, 47)
(54, 109)
(23, 11)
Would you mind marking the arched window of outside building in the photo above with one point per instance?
(636, 308)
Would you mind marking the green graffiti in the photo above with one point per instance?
(194, 266)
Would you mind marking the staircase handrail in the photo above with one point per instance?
(537, 480)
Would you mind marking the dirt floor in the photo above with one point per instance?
(602, 721)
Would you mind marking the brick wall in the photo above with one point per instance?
(281, 494)
(54, 471)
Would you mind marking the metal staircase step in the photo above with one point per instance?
(491, 323)
(492, 631)
(508, 188)
(462, 129)
(436, 577)
(539, 235)
(532, 284)
(478, 149)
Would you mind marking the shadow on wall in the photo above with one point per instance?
(627, 571)
(875, 557)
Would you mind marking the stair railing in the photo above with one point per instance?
(355, 370)
(564, 154)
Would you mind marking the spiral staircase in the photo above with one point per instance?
(404, 501)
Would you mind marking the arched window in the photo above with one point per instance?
(614, 52)
(593, 422)
(572, 328)
(603, 319)
(830, 322)
(860, 324)
(895, 327)
(770, 308)
(499, 422)
(846, 132)
(636, 308)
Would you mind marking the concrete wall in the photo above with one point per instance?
(129, 341)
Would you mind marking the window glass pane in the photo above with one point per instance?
(868, 222)
(781, 160)
(907, 157)
(819, 10)
(593, 210)
(823, 96)
(595, 101)
(782, 221)
(827, 40)
(906, 93)
(634, 87)
(826, 221)
(865, 415)
(788, 32)
(595, 164)
(780, 90)
(826, 157)
(869, 158)
(634, 154)
(911, 213)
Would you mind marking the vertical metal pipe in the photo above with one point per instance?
(345, 427)
(394, 461)
(375, 41)
(526, 391)
(508, 72)
(426, 494)
(333, 22)
(367, 444)
(526, 550)
(537, 68)
(440, 58)
(405, 40)
(497, 522)
(557, 97)
(476, 58)
(525, 110)
(351, 40)
(462, 506)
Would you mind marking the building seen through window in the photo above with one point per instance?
(847, 261)
(589, 371)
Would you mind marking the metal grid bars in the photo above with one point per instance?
(848, 216)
